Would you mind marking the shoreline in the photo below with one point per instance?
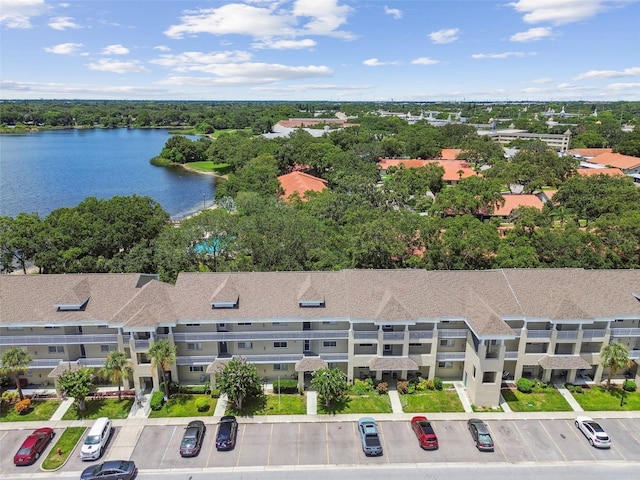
(196, 170)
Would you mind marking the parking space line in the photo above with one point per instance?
(384, 444)
(164, 455)
(210, 449)
(244, 429)
(582, 437)
(525, 443)
(270, 443)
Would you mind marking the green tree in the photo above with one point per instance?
(77, 384)
(117, 368)
(330, 383)
(614, 356)
(239, 380)
(15, 362)
(163, 355)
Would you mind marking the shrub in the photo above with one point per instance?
(174, 387)
(23, 406)
(574, 388)
(202, 404)
(215, 393)
(437, 383)
(422, 385)
(193, 389)
(629, 386)
(157, 400)
(382, 387)
(287, 385)
(524, 385)
(362, 387)
(431, 385)
(411, 389)
(402, 387)
(9, 398)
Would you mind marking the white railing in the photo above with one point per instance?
(261, 335)
(418, 334)
(538, 333)
(625, 332)
(450, 356)
(11, 340)
(452, 333)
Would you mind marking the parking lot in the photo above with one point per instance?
(338, 443)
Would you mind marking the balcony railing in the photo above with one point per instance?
(452, 333)
(260, 335)
(538, 333)
(418, 334)
(594, 333)
(393, 336)
(567, 335)
(195, 360)
(142, 344)
(11, 340)
(450, 356)
(625, 332)
(45, 363)
(365, 335)
(511, 355)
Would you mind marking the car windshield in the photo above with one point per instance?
(24, 451)
(484, 438)
(92, 440)
(188, 442)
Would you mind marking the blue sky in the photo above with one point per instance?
(337, 50)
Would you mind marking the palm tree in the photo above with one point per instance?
(162, 355)
(615, 356)
(117, 368)
(15, 362)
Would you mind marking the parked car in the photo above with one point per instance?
(425, 433)
(227, 433)
(111, 470)
(33, 446)
(369, 436)
(594, 432)
(192, 438)
(96, 440)
(480, 433)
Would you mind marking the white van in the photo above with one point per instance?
(96, 441)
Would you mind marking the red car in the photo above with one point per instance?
(425, 433)
(33, 446)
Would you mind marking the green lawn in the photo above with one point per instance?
(41, 410)
(105, 407)
(65, 444)
(540, 400)
(288, 404)
(375, 403)
(184, 405)
(432, 401)
(599, 398)
(207, 166)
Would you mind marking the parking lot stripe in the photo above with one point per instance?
(270, 443)
(164, 455)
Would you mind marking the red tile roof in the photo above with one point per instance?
(588, 152)
(612, 172)
(617, 160)
(300, 182)
(451, 167)
(511, 202)
(450, 153)
(307, 122)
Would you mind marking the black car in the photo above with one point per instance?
(227, 433)
(111, 470)
(480, 434)
(192, 438)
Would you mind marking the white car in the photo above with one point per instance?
(594, 432)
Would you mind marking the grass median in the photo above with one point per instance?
(63, 448)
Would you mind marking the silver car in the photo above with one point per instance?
(594, 432)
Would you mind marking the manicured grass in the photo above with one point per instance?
(65, 445)
(288, 404)
(599, 398)
(40, 410)
(540, 400)
(208, 166)
(184, 405)
(375, 403)
(105, 407)
(432, 401)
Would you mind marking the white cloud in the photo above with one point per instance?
(307, 17)
(373, 62)
(543, 80)
(627, 72)
(482, 56)
(192, 60)
(394, 12)
(115, 50)
(424, 61)
(560, 12)
(284, 44)
(64, 48)
(531, 35)
(446, 35)
(311, 87)
(162, 48)
(62, 23)
(623, 86)
(18, 13)
(117, 66)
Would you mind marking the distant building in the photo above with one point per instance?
(454, 170)
(300, 183)
(628, 164)
(559, 142)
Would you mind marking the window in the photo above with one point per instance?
(196, 368)
(56, 349)
(280, 345)
(445, 364)
(279, 324)
(330, 322)
(329, 343)
(388, 348)
(194, 346)
(192, 325)
(366, 344)
(280, 366)
(51, 328)
(415, 344)
(489, 377)
(244, 324)
(245, 345)
(107, 348)
(15, 328)
(449, 342)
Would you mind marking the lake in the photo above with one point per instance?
(41, 172)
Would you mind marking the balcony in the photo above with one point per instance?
(365, 335)
(511, 355)
(195, 360)
(393, 336)
(538, 333)
(8, 341)
(450, 356)
(452, 333)
(625, 332)
(590, 334)
(261, 335)
(567, 335)
(420, 334)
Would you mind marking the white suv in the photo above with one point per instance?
(96, 441)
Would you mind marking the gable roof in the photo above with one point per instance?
(511, 202)
(450, 153)
(612, 172)
(588, 152)
(300, 182)
(454, 170)
(617, 160)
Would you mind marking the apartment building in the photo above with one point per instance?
(474, 326)
(560, 142)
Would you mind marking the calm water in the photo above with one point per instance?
(41, 172)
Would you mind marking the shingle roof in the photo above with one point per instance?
(392, 363)
(568, 362)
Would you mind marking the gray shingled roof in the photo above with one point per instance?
(392, 363)
(310, 364)
(567, 362)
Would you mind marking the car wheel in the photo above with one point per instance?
(591, 442)
(37, 456)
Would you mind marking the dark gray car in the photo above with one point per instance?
(111, 470)
(480, 433)
(192, 439)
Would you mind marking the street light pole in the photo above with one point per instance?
(204, 205)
